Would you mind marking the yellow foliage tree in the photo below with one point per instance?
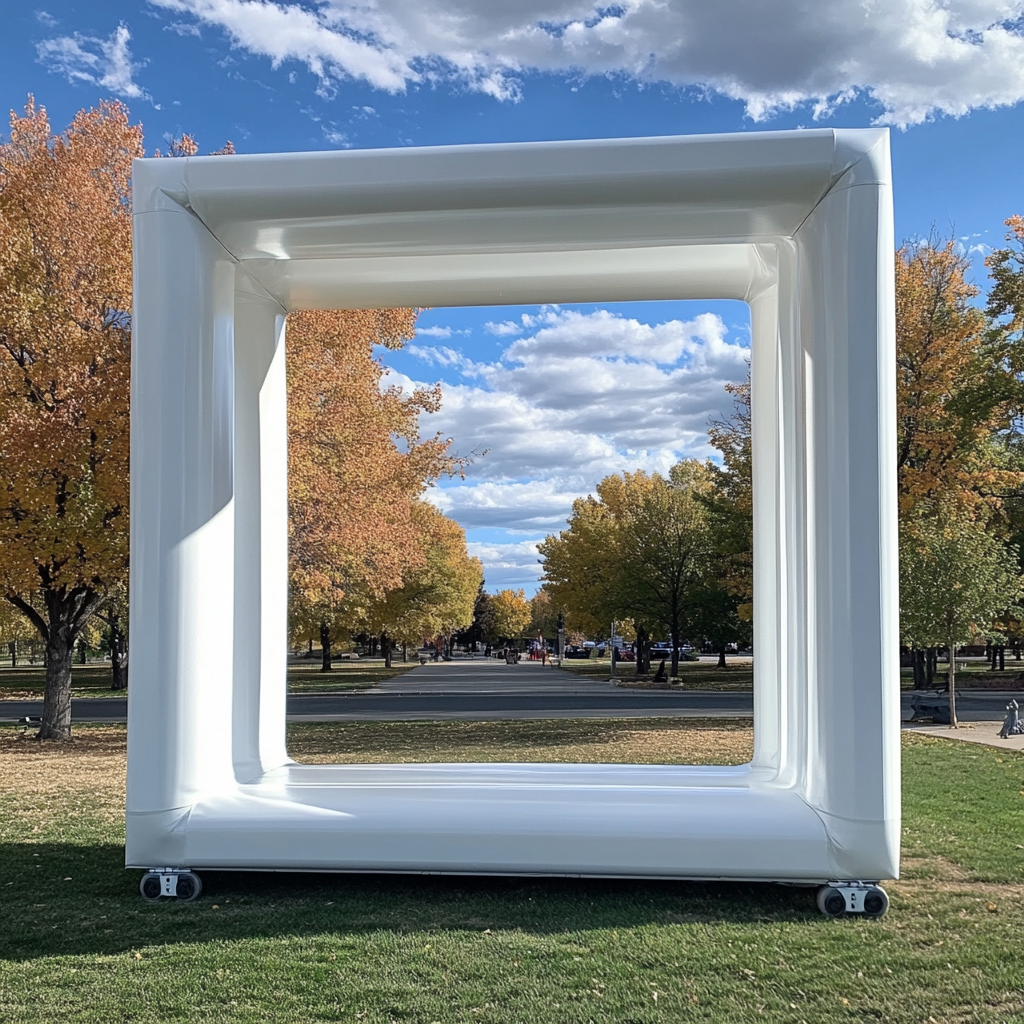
(356, 466)
(65, 306)
(954, 395)
(437, 596)
(511, 613)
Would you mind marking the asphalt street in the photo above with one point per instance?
(488, 690)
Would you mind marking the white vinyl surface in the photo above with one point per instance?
(797, 224)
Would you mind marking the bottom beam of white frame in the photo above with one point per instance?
(545, 819)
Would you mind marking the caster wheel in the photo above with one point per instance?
(831, 902)
(150, 887)
(189, 886)
(876, 902)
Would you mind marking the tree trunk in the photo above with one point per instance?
(721, 656)
(82, 653)
(66, 614)
(641, 643)
(917, 662)
(931, 661)
(953, 723)
(675, 654)
(118, 660)
(56, 724)
(13, 648)
(1002, 657)
(325, 648)
(405, 653)
(385, 646)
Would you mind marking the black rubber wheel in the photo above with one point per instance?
(150, 888)
(189, 886)
(876, 903)
(831, 902)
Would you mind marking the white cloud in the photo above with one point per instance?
(533, 506)
(103, 62)
(505, 328)
(46, 18)
(508, 565)
(579, 396)
(915, 58)
(435, 332)
(182, 28)
(335, 137)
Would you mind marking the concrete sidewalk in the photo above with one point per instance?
(969, 732)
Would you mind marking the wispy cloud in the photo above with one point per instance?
(88, 59)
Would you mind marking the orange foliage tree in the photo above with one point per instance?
(954, 393)
(65, 306)
(356, 464)
(438, 591)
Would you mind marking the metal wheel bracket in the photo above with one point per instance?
(174, 883)
(866, 898)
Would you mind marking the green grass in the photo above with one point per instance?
(378, 949)
(695, 675)
(973, 673)
(28, 682)
(346, 675)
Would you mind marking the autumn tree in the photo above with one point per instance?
(641, 549)
(15, 629)
(955, 392)
(511, 612)
(481, 628)
(113, 614)
(65, 305)
(543, 614)
(437, 596)
(730, 499)
(356, 466)
(956, 580)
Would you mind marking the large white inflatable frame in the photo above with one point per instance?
(797, 224)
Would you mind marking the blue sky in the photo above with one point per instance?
(559, 396)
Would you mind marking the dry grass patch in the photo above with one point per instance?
(572, 740)
(42, 783)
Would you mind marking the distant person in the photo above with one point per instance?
(543, 655)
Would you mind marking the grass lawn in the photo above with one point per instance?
(696, 675)
(572, 740)
(27, 683)
(77, 944)
(974, 673)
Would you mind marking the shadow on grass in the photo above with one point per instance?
(63, 899)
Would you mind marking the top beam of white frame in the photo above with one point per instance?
(798, 224)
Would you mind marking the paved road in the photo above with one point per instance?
(487, 690)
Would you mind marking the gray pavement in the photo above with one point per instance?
(481, 690)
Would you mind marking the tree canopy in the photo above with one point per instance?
(65, 333)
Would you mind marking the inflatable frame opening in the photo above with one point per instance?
(797, 224)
